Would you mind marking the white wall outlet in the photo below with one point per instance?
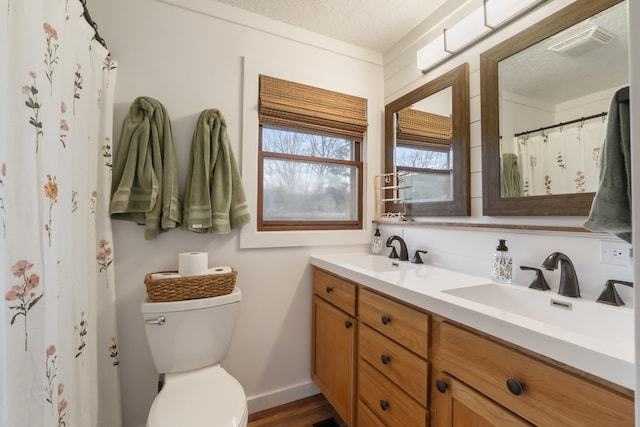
(614, 253)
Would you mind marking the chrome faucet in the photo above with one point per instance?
(404, 255)
(568, 277)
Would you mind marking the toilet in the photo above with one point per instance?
(188, 340)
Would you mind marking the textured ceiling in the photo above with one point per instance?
(539, 73)
(373, 24)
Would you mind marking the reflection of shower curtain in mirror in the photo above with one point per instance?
(561, 161)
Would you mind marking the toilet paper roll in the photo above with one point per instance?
(225, 269)
(166, 275)
(193, 263)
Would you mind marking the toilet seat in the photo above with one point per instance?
(208, 397)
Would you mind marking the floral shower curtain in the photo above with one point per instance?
(561, 161)
(58, 344)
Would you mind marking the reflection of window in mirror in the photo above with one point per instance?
(427, 140)
(553, 101)
(423, 135)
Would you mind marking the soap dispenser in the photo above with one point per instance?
(502, 264)
(376, 243)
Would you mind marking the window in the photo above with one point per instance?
(310, 173)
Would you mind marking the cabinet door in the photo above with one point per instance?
(333, 356)
(458, 405)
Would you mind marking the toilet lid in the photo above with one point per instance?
(202, 397)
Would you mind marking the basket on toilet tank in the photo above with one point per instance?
(174, 288)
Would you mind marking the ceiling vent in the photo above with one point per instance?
(583, 42)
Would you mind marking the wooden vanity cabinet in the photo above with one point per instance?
(416, 368)
(499, 382)
(334, 341)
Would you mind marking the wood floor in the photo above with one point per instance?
(301, 413)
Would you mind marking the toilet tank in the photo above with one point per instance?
(191, 334)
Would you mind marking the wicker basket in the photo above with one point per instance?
(190, 287)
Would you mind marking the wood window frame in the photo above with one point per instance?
(290, 106)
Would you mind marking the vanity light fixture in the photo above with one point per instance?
(490, 16)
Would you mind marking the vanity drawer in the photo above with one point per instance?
(387, 401)
(397, 321)
(335, 290)
(550, 395)
(366, 418)
(401, 366)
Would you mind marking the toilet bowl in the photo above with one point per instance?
(188, 340)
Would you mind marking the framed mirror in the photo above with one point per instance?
(427, 140)
(545, 93)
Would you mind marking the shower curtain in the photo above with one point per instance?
(58, 342)
(561, 161)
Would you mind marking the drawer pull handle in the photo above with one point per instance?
(385, 359)
(385, 320)
(384, 405)
(348, 324)
(329, 289)
(514, 386)
(441, 386)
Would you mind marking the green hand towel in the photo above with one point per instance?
(214, 199)
(145, 179)
(611, 207)
(510, 176)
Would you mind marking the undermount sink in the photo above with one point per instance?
(373, 263)
(577, 315)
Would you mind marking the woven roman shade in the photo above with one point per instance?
(299, 107)
(422, 128)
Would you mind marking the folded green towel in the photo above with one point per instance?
(611, 208)
(214, 199)
(510, 176)
(145, 179)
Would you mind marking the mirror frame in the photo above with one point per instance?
(458, 80)
(492, 203)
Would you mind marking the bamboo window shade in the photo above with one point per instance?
(422, 128)
(299, 107)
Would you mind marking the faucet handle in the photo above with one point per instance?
(538, 282)
(416, 258)
(609, 294)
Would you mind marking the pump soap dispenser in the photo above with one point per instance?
(376, 243)
(502, 264)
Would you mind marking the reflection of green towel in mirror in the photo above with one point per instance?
(611, 208)
(510, 176)
(145, 179)
(214, 199)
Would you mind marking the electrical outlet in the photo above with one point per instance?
(614, 253)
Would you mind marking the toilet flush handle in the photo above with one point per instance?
(157, 321)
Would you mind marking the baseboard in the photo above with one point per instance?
(281, 396)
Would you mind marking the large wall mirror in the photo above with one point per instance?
(427, 140)
(545, 94)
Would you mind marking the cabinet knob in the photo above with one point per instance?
(385, 319)
(514, 386)
(385, 359)
(384, 405)
(348, 324)
(442, 386)
(329, 289)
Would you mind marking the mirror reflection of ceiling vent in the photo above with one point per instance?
(583, 42)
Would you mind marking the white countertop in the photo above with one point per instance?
(593, 337)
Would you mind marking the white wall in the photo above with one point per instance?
(191, 60)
